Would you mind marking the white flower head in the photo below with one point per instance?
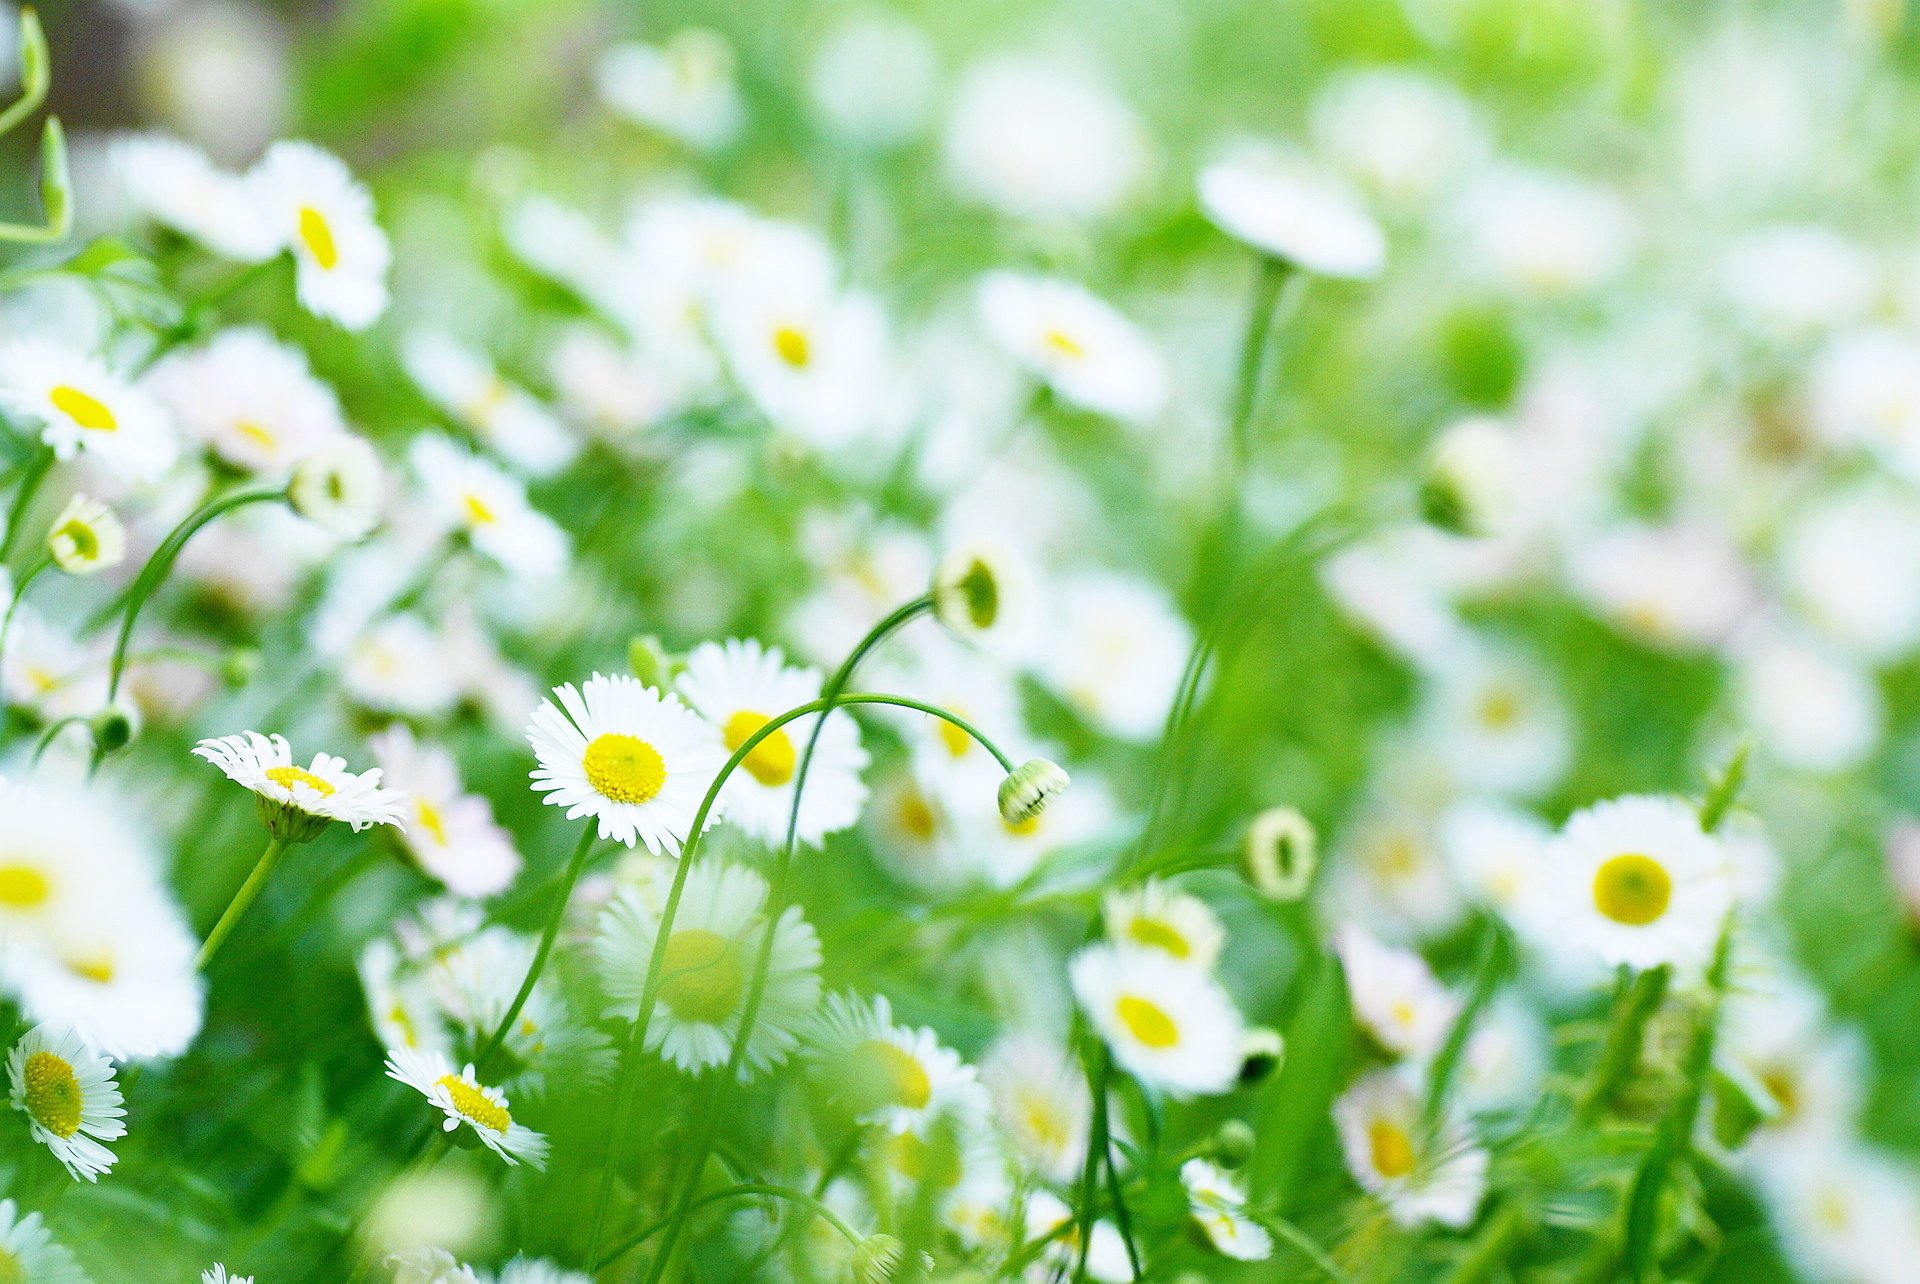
(298, 802)
(70, 1098)
(502, 415)
(895, 1077)
(250, 399)
(1420, 1175)
(684, 88)
(449, 832)
(465, 1100)
(1075, 343)
(1395, 995)
(1218, 1204)
(319, 213)
(635, 760)
(1171, 1026)
(489, 508)
(174, 183)
(1156, 916)
(340, 488)
(1283, 205)
(26, 1243)
(87, 537)
(80, 405)
(217, 1274)
(1636, 882)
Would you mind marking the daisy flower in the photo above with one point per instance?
(340, 488)
(1155, 916)
(174, 183)
(684, 88)
(1420, 1175)
(1171, 1026)
(739, 686)
(217, 1274)
(1636, 882)
(487, 507)
(1395, 995)
(635, 760)
(81, 405)
(450, 833)
(465, 385)
(399, 666)
(87, 537)
(812, 357)
(1116, 651)
(250, 400)
(325, 219)
(70, 1097)
(707, 968)
(297, 802)
(465, 1100)
(1107, 1259)
(891, 1076)
(1075, 343)
(27, 1247)
(1284, 206)
(1218, 1204)
(1041, 1101)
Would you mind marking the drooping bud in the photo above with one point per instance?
(1029, 788)
(340, 487)
(1470, 480)
(1262, 1049)
(1282, 850)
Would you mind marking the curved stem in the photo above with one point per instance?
(19, 591)
(741, 1191)
(162, 561)
(1303, 1244)
(547, 935)
(276, 847)
(35, 472)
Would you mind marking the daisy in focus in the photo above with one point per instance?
(739, 686)
(1169, 1025)
(1636, 882)
(636, 761)
(465, 1100)
(296, 802)
(70, 1098)
(80, 405)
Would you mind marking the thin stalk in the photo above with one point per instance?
(1486, 980)
(589, 832)
(39, 464)
(1621, 1052)
(276, 848)
(27, 577)
(744, 1190)
(1303, 1244)
(1099, 1072)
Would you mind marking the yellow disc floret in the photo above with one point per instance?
(1147, 1021)
(317, 236)
(474, 1105)
(703, 980)
(52, 1093)
(770, 762)
(1632, 889)
(625, 768)
(83, 408)
(1391, 1148)
(288, 777)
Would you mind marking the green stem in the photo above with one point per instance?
(19, 591)
(1486, 980)
(574, 866)
(35, 472)
(1621, 1052)
(1099, 1072)
(276, 847)
(1303, 1244)
(742, 1191)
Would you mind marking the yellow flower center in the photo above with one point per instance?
(625, 768)
(430, 820)
(1064, 344)
(256, 434)
(77, 540)
(793, 346)
(1147, 1021)
(879, 1074)
(1160, 935)
(1632, 889)
(1044, 1121)
(97, 968)
(1391, 1148)
(916, 817)
(83, 408)
(703, 980)
(1784, 1087)
(478, 511)
(1499, 709)
(474, 1104)
(22, 887)
(318, 238)
(957, 742)
(52, 1093)
(288, 777)
(11, 1272)
(1022, 828)
(771, 761)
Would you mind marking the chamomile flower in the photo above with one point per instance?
(988, 593)
(399, 666)
(400, 1002)
(217, 1274)
(894, 1077)
(1395, 995)
(488, 508)
(250, 400)
(739, 686)
(1156, 916)
(87, 537)
(1636, 882)
(1283, 205)
(500, 414)
(298, 802)
(1419, 1174)
(1171, 1026)
(1041, 1101)
(325, 219)
(465, 1100)
(685, 88)
(1115, 651)
(813, 358)
(448, 831)
(1075, 343)
(707, 969)
(1496, 716)
(174, 183)
(70, 1098)
(1218, 1204)
(638, 762)
(78, 404)
(340, 488)
(27, 1248)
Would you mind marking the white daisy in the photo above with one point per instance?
(1283, 205)
(173, 183)
(250, 399)
(1157, 916)
(503, 416)
(812, 357)
(1498, 720)
(87, 537)
(1041, 1103)
(1171, 1026)
(340, 487)
(465, 1100)
(70, 1098)
(489, 508)
(708, 967)
(401, 1004)
(738, 686)
(684, 88)
(1395, 996)
(28, 1250)
(1636, 882)
(78, 404)
(217, 1274)
(449, 832)
(1076, 343)
(894, 1077)
(399, 666)
(1420, 1175)
(1115, 651)
(1107, 1259)
(325, 219)
(1218, 1204)
(298, 802)
(636, 761)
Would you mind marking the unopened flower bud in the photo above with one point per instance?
(1028, 788)
(241, 666)
(878, 1259)
(1470, 478)
(340, 486)
(114, 728)
(1282, 850)
(1233, 1143)
(1261, 1052)
(649, 661)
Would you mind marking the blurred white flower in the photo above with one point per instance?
(1284, 205)
(1075, 343)
(683, 88)
(324, 218)
(872, 78)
